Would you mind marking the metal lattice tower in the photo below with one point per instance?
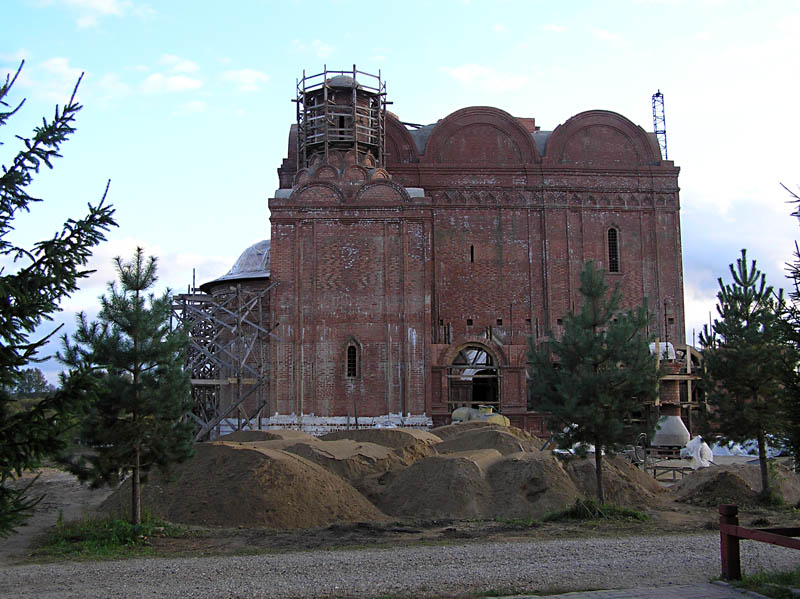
(660, 122)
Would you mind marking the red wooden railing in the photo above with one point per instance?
(730, 533)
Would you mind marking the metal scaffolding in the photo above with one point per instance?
(660, 122)
(228, 356)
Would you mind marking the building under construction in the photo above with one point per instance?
(407, 265)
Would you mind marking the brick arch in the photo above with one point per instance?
(601, 138)
(318, 193)
(400, 146)
(382, 191)
(449, 353)
(480, 135)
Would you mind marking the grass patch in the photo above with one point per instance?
(779, 585)
(104, 538)
(589, 509)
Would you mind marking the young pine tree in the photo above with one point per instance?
(138, 418)
(746, 355)
(597, 374)
(32, 285)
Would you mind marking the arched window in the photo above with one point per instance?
(352, 361)
(613, 250)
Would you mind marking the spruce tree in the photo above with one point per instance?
(746, 354)
(790, 432)
(138, 417)
(30, 292)
(601, 371)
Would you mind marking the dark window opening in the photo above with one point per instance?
(441, 322)
(499, 322)
(613, 250)
(670, 320)
(527, 321)
(352, 361)
(469, 322)
(559, 322)
(472, 253)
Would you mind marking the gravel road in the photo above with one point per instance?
(420, 571)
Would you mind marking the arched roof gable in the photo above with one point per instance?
(480, 135)
(400, 146)
(600, 138)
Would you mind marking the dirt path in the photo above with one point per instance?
(62, 493)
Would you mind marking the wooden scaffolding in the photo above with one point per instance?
(228, 356)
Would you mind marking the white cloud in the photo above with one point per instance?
(158, 83)
(178, 64)
(486, 77)
(553, 28)
(246, 80)
(605, 35)
(110, 88)
(499, 28)
(193, 107)
(52, 80)
(316, 47)
(90, 12)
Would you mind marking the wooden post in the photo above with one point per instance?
(729, 544)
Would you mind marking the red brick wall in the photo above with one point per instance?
(501, 234)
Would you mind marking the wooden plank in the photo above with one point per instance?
(760, 535)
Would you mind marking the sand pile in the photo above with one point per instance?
(410, 444)
(709, 487)
(529, 485)
(238, 485)
(452, 430)
(248, 436)
(739, 484)
(447, 486)
(349, 459)
(476, 484)
(623, 483)
(486, 438)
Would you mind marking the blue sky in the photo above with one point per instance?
(188, 108)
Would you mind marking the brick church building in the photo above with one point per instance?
(411, 263)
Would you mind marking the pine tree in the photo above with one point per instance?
(592, 379)
(30, 292)
(746, 355)
(138, 418)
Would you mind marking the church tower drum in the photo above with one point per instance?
(340, 119)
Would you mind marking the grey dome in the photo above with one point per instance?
(252, 264)
(343, 81)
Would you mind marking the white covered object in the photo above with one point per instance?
(699, 452)
(666, 350)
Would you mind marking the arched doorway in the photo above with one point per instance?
(473, 379)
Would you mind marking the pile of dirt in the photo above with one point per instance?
(240, 485)
(529, 485)
(396, 438)
(410, 444)
(453, 430)
(447, 486)
(623, 483)
(486, 438)
(737, 483)
(349, 459)
(709, 487)
(249, 436)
